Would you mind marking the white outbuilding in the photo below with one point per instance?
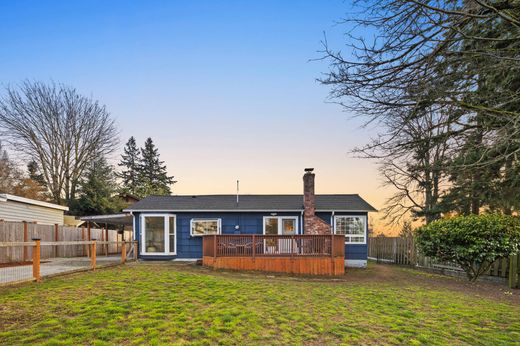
(16, 208)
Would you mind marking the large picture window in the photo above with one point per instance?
(353, 227)
(201, 227)
(158, 234)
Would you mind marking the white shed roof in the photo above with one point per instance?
(4, 197)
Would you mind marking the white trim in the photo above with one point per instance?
(167, 250)
(7, 197)
(356, 263)
(280, 218)
(219, 225)
(336, 217)
(242, 210)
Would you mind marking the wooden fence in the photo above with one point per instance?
(402, 251)
(24, 232)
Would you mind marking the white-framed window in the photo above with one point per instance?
(200, 227)
(158, 234)
(353, 227)
(283, 225)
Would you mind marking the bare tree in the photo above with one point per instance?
(452, 54)
(439, 76)
(58, 128)
(412, 156)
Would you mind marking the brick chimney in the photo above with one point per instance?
(309, 199)
(312, 223)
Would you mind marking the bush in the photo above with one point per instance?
(474, 242)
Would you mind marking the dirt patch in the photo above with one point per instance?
(18, 264)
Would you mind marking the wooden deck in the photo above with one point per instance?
(295, 254)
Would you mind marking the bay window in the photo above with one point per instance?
(158, 234)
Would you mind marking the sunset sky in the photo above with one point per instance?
(227, 89)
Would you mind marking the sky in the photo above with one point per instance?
(226, 89)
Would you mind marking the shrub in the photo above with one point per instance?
(474, 242)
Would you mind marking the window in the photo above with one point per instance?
(284, 225)
(158, 234)
(201, 227)
(353, 227)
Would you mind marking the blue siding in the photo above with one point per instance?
(189, 247)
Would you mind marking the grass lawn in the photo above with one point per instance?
(180, 304)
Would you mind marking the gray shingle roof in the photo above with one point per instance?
(249, 202)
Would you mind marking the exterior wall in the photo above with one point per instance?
(356, 255)
(189, 247)
(16, 211)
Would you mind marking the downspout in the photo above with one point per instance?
(301, 222)
(332, 226)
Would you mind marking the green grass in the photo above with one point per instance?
(166, 304)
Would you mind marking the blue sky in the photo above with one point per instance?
(226, 89)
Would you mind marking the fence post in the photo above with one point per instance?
(513, 271)
(89, 236)
(25, 239)
(85, 247)
(36, 260)
(106, 239)
(56, 239)
(123, 252)
(93, 254)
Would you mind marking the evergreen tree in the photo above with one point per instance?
(33, 170)
(154, 179)
(9, 174)
(97, 191)
(130, 163)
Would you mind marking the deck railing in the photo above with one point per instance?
(274, 245)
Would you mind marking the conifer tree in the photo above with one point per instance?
(154, 179)
(130, 163)
(97, 190)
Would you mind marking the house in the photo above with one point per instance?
(171, 227)
(128, 199)
(16, 208)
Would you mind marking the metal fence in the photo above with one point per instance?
(60, 258)
(24, 232)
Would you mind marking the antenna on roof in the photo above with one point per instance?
(238, 183)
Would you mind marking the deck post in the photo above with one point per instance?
(214, 245)
(93, 255)
(292, 245)
(123, 252)
(36, 260)
(254, 247)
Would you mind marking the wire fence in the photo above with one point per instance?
(31, 261)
